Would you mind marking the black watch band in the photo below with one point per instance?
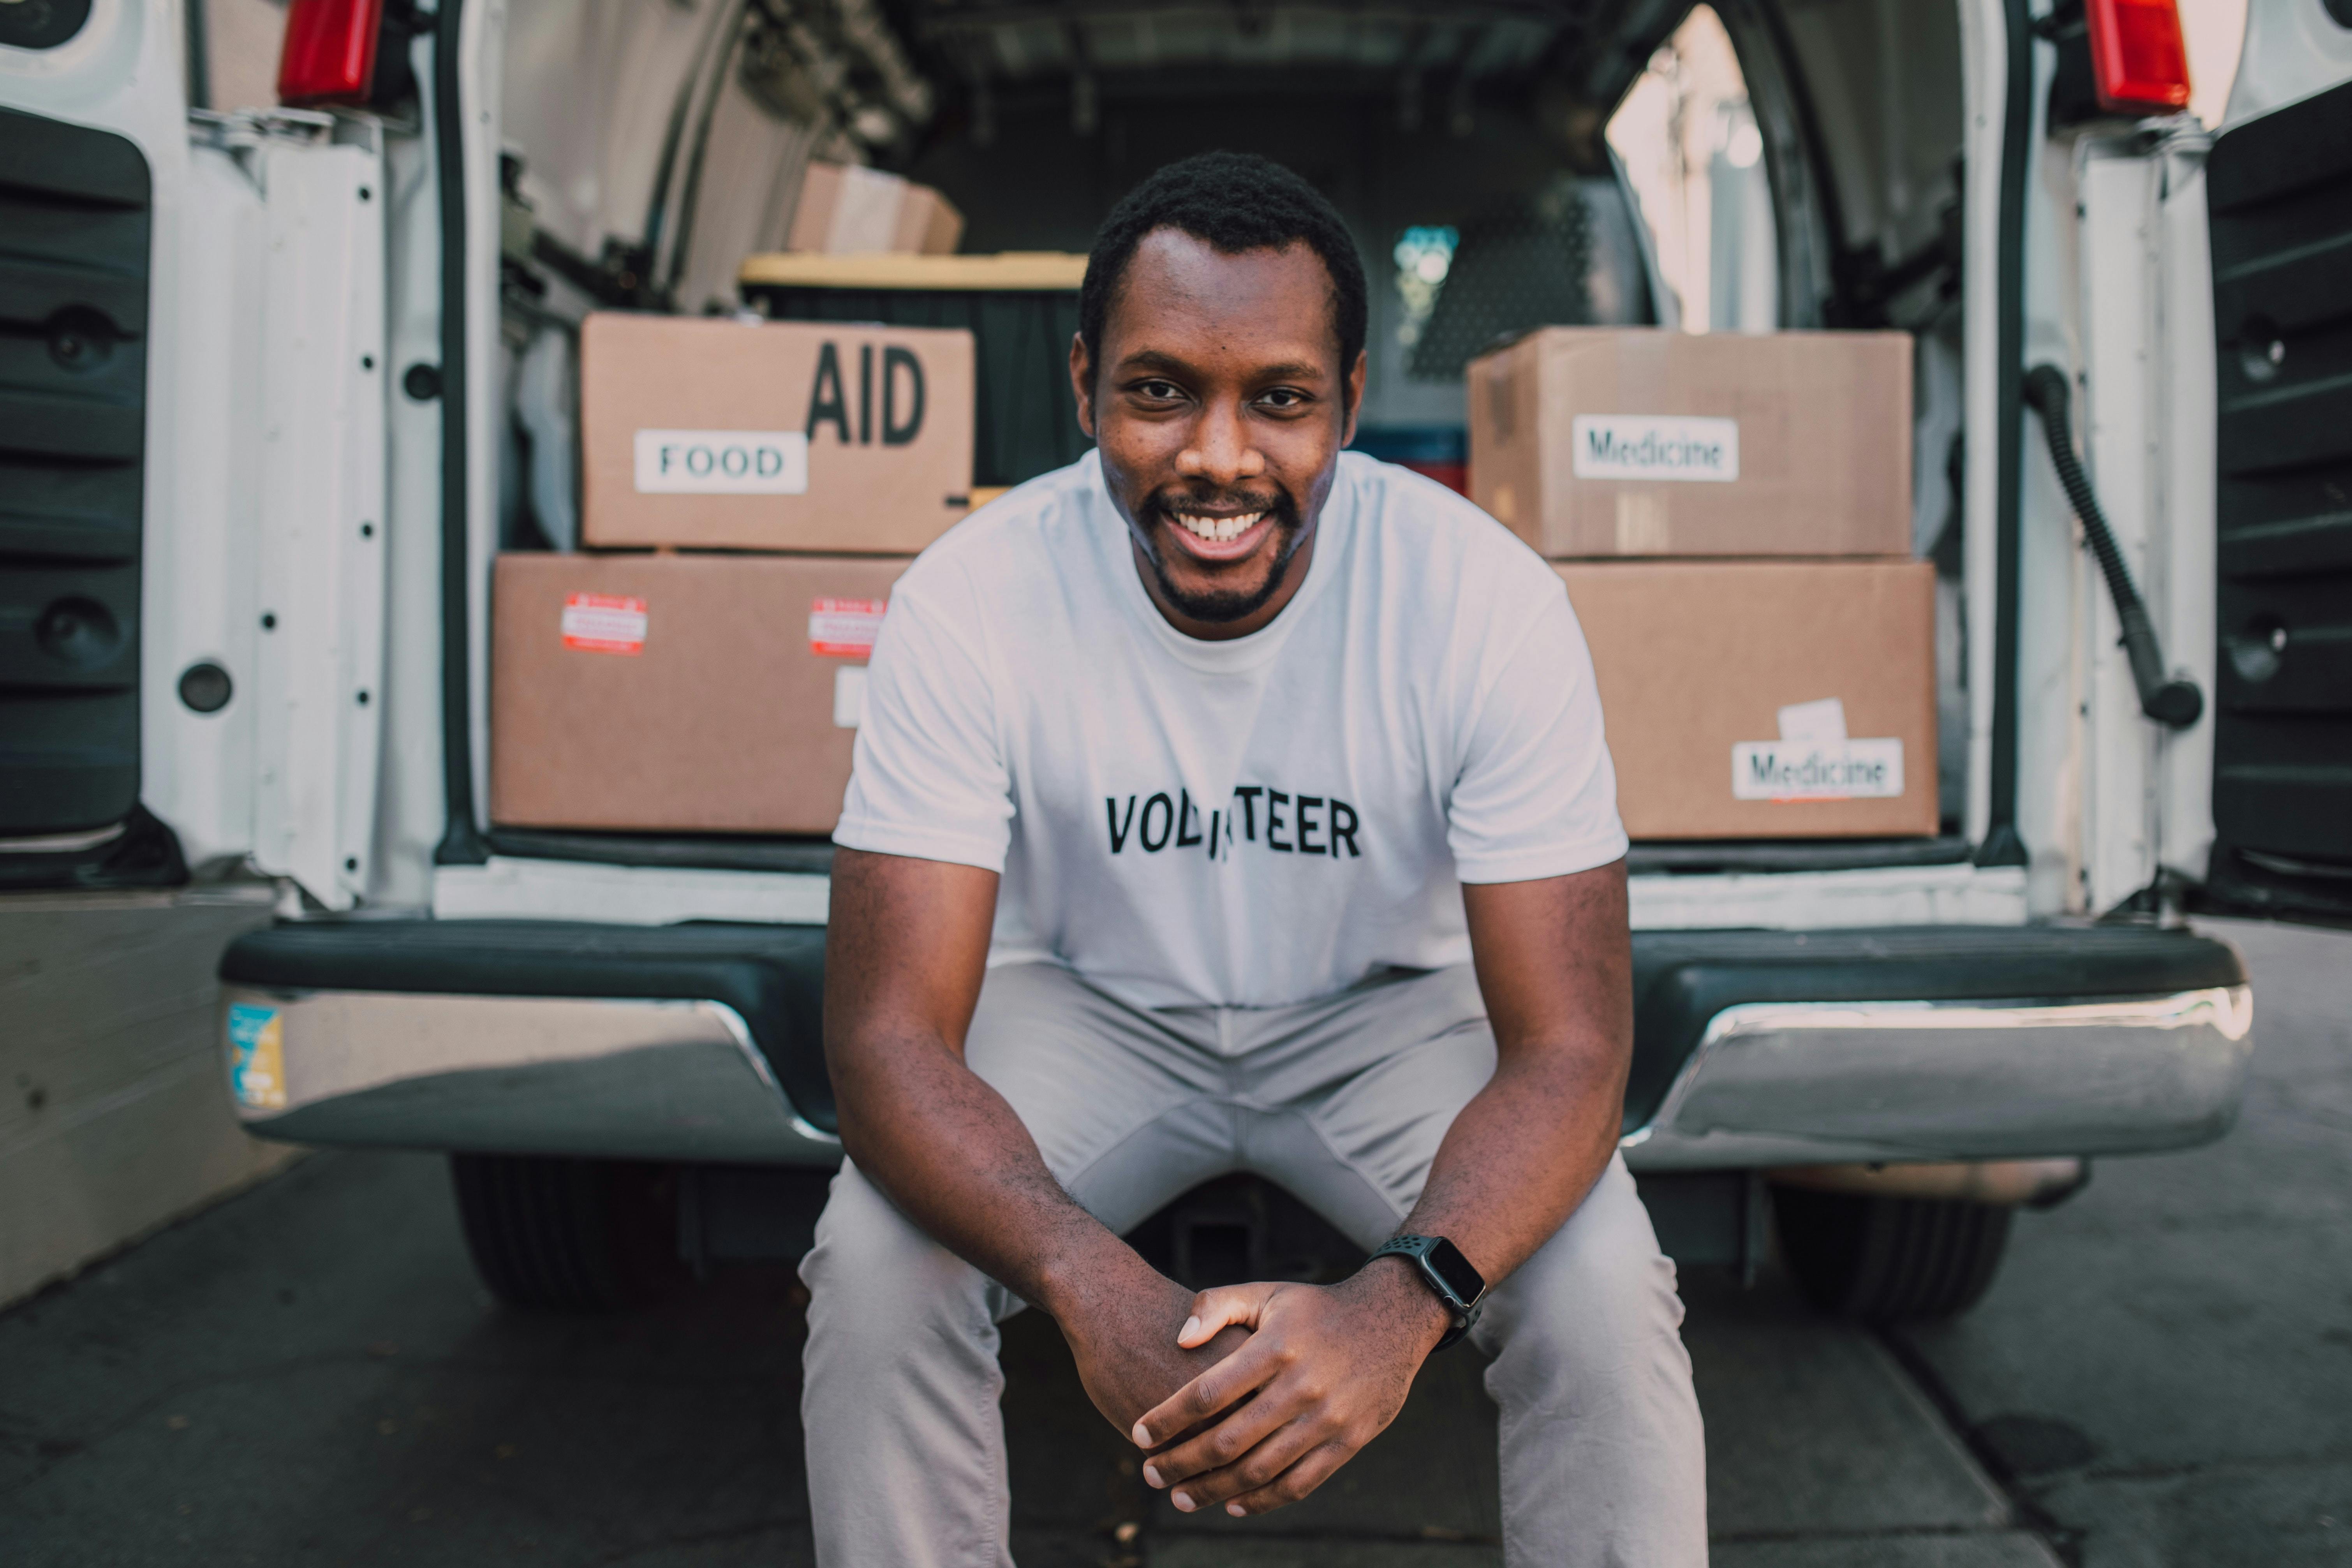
(1447, 1274)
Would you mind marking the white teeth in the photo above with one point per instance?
(1220, 530)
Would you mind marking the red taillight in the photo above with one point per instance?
(328, 56)
(2137, 57)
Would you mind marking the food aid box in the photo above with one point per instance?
(706, 432)
(678, 693)
(1766, 698)
(1020, 308)
(846, 209)
(1592, 442)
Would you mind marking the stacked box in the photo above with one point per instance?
(1777, 698)
(709, 434)
(1732, 515)
(846, 209)
(679, 693)
(750, 491)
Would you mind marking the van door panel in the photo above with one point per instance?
(318, 674)
(2279, 193)
(75, 212)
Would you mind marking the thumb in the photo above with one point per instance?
(1227, 1306)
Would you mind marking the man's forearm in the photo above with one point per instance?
(1520, 1157)
(955, 1158)
(1555, 967)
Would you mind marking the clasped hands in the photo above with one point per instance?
(1284, 1383)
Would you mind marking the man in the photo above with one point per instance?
(1225, 802)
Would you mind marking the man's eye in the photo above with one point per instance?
(1159, 390)
(1284, 397)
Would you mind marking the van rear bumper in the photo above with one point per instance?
(1795, 1083)
(618, 1077)
(1752, 1049)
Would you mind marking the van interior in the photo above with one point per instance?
(1753, 165)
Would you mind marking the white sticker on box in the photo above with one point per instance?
(722, 462)
(866, 212)
(1821, 721)
(1813, 760)
(604, 623)
(1816, 770)
(848, 696)
(1655, 447)
(845, 628)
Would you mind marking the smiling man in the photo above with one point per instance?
(1226, 801)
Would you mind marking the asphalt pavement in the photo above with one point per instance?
(2162, 1374)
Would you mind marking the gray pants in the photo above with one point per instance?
(1343, 1101)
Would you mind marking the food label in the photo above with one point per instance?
(1655, 446)
(604, 623)
(845, 628)
(257, 1057)
(722, 462)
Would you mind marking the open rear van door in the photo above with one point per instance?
(80, 145)
(192, 450)
(2279, 195)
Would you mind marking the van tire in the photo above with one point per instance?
(1888, 1260)
(566, 1235)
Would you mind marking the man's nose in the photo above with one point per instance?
(1221, 450)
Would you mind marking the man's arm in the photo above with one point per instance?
(1329, 1368)
(906, 948)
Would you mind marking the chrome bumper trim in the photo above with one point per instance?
(622, 1079)
(1781, 1083)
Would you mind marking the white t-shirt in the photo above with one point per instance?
(1247, 822)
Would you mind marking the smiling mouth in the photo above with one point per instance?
(1216, 529)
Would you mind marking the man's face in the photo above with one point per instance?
(1220, 411)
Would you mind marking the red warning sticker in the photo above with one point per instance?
(604, 623)
(845, 628)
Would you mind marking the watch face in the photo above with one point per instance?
(1466, 1283)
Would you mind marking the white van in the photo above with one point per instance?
(277, 384)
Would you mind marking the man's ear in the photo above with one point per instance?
(1082, 383)
(1355, 395)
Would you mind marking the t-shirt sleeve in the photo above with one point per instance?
(929, 779)
(1536, 796)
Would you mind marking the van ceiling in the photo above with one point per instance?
(1592, 48)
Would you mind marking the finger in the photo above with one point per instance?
(1232, 1379)
(1228, 1306)
(1261, 1467)
(1311, 1470)
(1241, 1430)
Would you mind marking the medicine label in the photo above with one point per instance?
(1651, 446)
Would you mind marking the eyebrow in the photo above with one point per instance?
(1154, 359)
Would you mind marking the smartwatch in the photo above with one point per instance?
(1447, 1273)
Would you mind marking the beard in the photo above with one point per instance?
(1222, 606)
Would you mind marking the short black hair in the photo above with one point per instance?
(1234, 202)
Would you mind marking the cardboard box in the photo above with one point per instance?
(846, 209)
(1766, 698)
(1599, 441)
(704, 432)
(678, 693)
